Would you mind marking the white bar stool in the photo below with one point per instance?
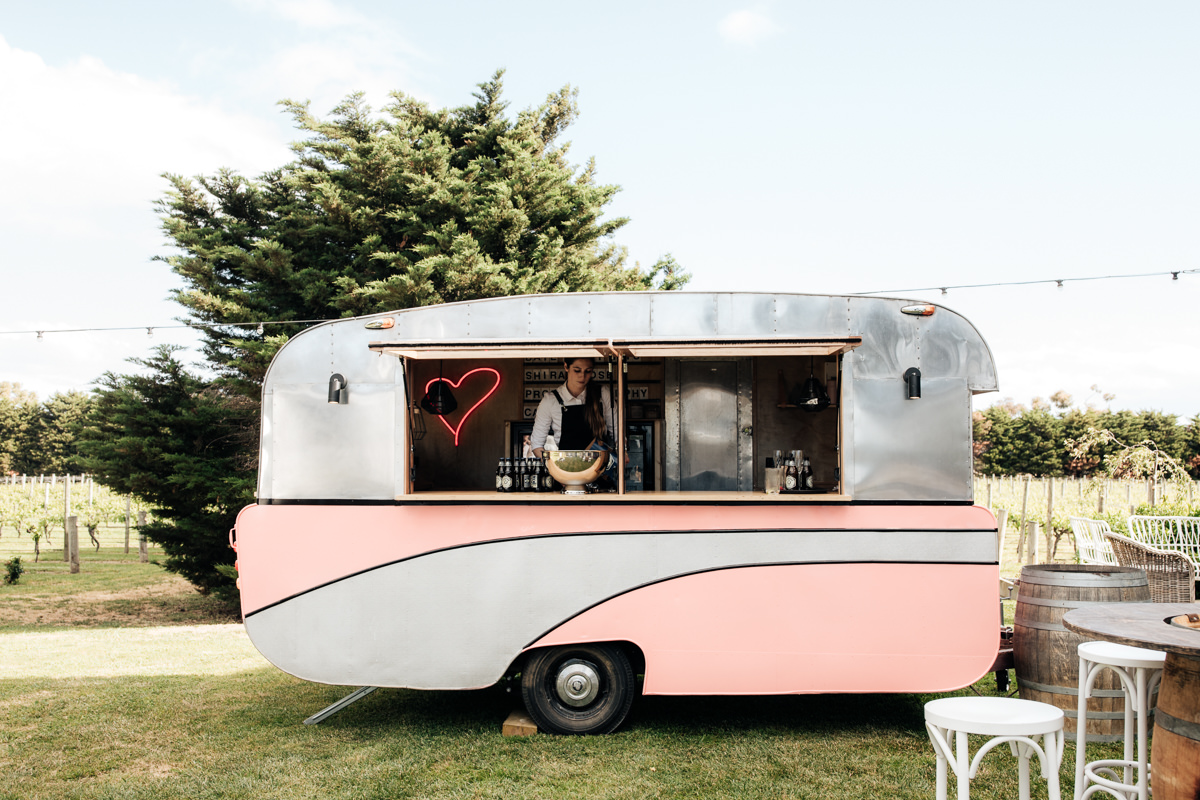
(1005, 719)
(1140, 670)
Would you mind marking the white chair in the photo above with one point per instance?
(1004, 719)
(1090, 543)
(1140, 670)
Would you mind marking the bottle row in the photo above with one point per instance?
(788, 473)
(524, 475)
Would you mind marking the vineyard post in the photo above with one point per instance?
(143, 552)
(1150, 493)
(1001, 529)
(1050, 516)
(1021, 527)
(1129, 495)
(73, 543)
(128, 511)
(66, 516)
(91, 487)
(1101, 496)
(1032, 539)
(46, 499)
(989, 500)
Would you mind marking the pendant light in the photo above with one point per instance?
(438, 399)
(813, 396)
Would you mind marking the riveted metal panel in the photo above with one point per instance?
(558, 317)
(684, 314)
(890, 341)
(750, 315)
(950, 345)
(912, 449)
(331, 450)
(813, 315)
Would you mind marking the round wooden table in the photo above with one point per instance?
(1175, 747)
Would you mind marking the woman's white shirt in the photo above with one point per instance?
(548, 418)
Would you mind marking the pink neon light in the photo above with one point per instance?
(490, 392)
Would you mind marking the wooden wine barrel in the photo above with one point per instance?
(1045, 654)
(1176, 743)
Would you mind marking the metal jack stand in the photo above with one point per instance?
(329, 711)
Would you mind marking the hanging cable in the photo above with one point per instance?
(1057, 281)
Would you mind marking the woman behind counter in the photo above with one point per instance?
(578, 413)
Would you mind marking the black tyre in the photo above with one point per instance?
(578, 689)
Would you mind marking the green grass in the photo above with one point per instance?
(239, 735)
(91, 708)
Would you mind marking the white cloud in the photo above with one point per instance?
(748, 26)
(321, 14)
(81, 153)
(82, 140)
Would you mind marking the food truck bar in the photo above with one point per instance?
(380, 554)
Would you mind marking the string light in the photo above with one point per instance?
(1057, 281)
(149, 329)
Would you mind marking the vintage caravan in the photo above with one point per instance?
(380, 552)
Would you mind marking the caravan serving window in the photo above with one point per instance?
(695, 416)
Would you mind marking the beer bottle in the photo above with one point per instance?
(500, 475)
(791, 477)
(507, 479)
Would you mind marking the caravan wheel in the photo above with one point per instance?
(578, 689)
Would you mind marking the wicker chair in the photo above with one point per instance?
(1171, 575)
(1090, 543)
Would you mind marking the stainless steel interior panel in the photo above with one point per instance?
(812, 315)
(331, 451)
(846, 401)
(683, 314)
(671, 426)
(708, 422)
(912, 449)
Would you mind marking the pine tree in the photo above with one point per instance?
(383, 212)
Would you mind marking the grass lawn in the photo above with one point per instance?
(115, 692)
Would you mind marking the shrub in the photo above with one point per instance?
(13, 570)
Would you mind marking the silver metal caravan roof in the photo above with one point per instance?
(310, 452)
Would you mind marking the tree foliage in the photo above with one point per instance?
(406, 208)
(177, 442)
(377, 212)
(40, 438)
(1012, 439)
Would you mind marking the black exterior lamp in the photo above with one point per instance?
(912, 382)
(338, 394)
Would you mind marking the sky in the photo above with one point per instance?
(827, 147)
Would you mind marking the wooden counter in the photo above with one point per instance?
(666, 498)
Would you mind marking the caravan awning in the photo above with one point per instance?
(635, 348)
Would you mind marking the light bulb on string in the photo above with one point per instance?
(1060, 283)
(40, 336)
(149, 333)
(260, 329)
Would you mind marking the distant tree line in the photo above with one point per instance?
(1012, 439)
(40, 438)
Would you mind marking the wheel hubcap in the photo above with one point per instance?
(577, 683)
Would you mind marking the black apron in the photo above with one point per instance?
(576, 434)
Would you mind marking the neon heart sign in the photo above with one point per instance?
(455, 430)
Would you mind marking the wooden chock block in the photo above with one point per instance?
(519, 724)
